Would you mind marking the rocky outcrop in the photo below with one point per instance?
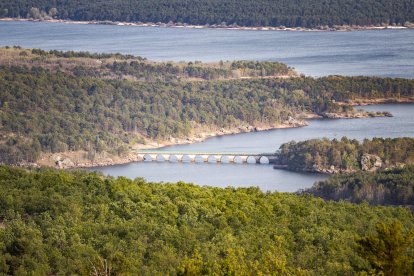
(357, 114)
(293, 122)
(370, 162)
(331, 170)
(63, 161)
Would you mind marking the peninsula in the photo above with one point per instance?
(83, 109)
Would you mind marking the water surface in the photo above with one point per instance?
(370, 52)
(264, 176)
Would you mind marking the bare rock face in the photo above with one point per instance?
(370, 162)
(295, 122)
(65, 163)
(56, 158)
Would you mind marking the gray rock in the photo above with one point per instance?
(65, 163)
(370, 162)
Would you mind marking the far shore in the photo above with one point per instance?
(341, 28)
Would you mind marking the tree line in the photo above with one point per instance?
(224, 13)
(59, 222)
(386, 187)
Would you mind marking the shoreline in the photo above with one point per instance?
(335, 28)
(365, 102)
(65, 160)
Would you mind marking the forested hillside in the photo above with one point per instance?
(310, 13)
(345, 155)
(76, 223)
(391, 187)
(54, 102)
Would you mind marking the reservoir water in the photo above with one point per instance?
(374, 53)
(370, 52)
(264, 176)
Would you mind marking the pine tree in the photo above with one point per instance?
(387, 250)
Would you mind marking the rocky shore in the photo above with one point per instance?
(364, 102)
(357, 114)
(78, 159)
(367, 162)
(324, 28)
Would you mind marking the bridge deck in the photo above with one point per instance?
(202, 153)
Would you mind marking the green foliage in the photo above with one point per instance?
(53, 101)
(57, 222)
(387, 250)
(302, 13)
(391, 187)
(324, 155)
(72, 54)
(143, 70)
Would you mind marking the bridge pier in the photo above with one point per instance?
(201, 158)
(150, 157)
(213, 159)
(162, 157)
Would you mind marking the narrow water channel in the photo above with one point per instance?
(264, 176)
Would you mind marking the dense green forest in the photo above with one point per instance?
(56, 222)
(55, 101)
(117, 66)
(389, 187)
(310, 13)
(345, 155)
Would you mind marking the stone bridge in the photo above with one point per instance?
(206, 157)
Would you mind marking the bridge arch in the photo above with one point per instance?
(160, 158)
(264, 160)
(173, 158)
(226, 159)
(251, 160)
(212, 159)
(199, 159)
(147, 158)
(238, 160)
(186, 158)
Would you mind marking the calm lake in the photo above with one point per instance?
(374, 52)
(264, 176)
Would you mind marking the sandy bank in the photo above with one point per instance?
(218, 26)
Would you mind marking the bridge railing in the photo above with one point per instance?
(203, 153)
